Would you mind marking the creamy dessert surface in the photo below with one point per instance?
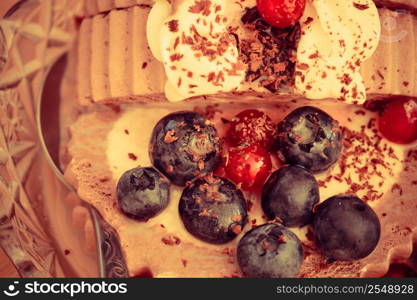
(335, 37)
(106, 143)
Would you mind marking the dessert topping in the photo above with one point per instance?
(248, 166)
(213, 209)
(269, 52)
(252, 127)
(142, 193)
(290, 194)
(270, 250)
(346, 228)
(338, 36)
(193, 41)
(184, 146)
(281, 13)
(310, 138)
(398, 121)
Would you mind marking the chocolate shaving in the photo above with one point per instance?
(360, 6)
(171, 240)
(380, 74)
(269, 56)
(237, 229)
(132, 156)
(397, 187)
(170, 137)
(173, 25)
(176, 57)
(308, 20)
(201, 7)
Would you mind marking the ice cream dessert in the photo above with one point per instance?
(202, 173)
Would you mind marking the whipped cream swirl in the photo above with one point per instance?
(337, 37)
(192, 40)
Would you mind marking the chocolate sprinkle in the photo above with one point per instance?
(132, 156)
(360, 6)
(270, 55)
(173, 25)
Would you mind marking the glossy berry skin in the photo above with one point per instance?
(184, 145)
(213, 209)
(346, 228)
(311, 138)
(270, 251)
(281, 13)
(142, 193)
(398, 121)
(248, 166)
(290, 194)
(252, 127)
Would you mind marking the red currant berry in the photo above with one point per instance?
(281, 13)
(248, 166)
(252, 127)
(398, 122)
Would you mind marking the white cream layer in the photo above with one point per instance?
(337, 37)
(208, 63)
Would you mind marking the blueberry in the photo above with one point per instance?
(270, 250)
(183, 146)
(311, 138)
(290, 194)
(142, 193)
(346, 228)
(213, 209)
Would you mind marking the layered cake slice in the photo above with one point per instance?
(112, 64)
(232, 182)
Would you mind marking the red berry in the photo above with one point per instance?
(252, 127)
(398, 122)
(281, 13)
(248, 166)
